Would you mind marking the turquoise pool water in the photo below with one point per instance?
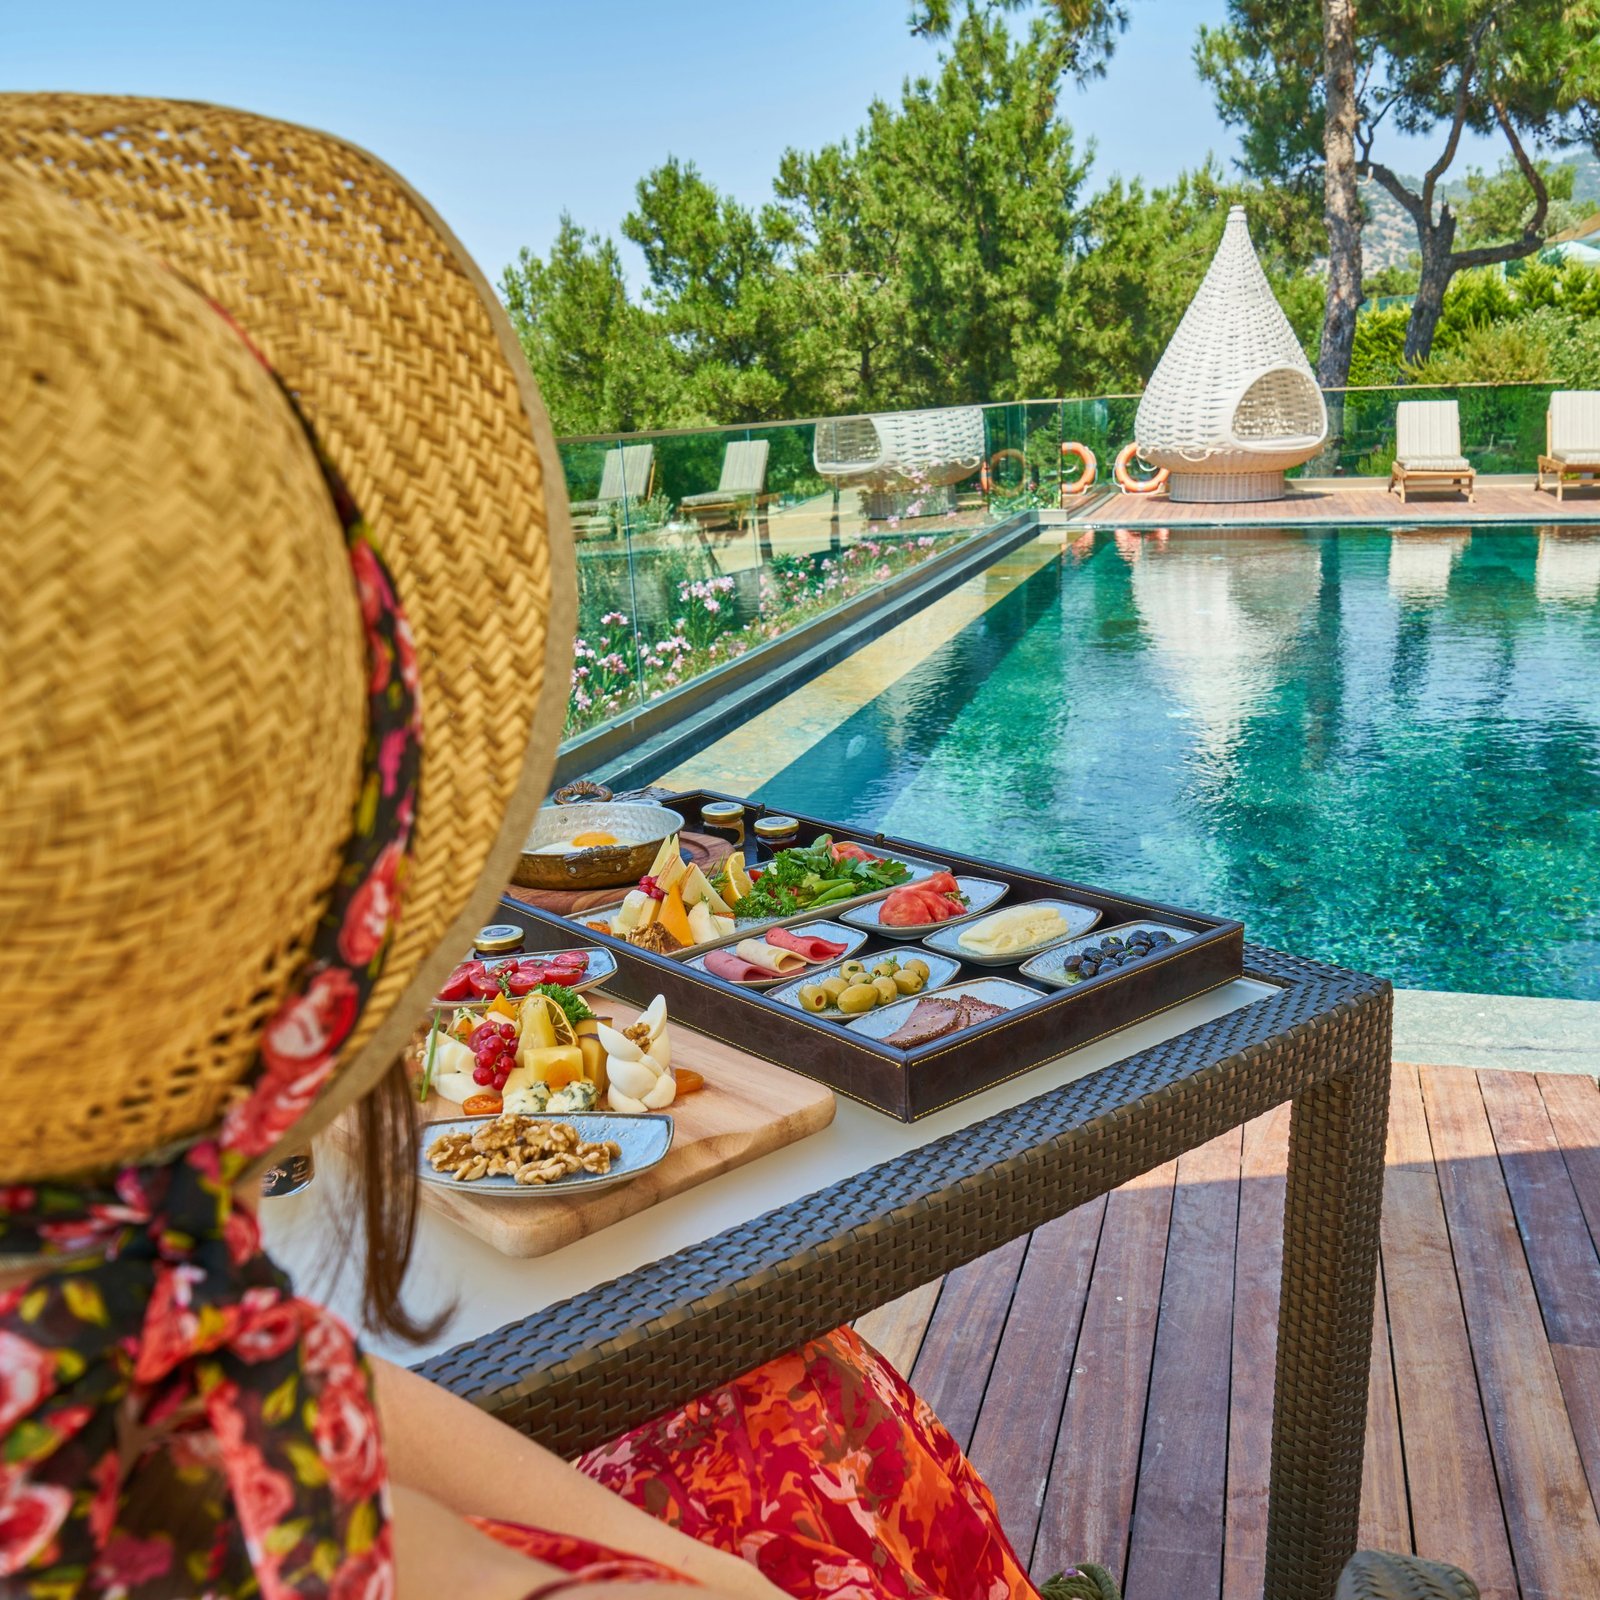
(1381, 749)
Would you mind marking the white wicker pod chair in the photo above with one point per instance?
(1233, 402)
(900, 450)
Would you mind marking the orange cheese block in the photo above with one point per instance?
(675, 918)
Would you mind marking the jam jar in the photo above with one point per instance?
(499, 939)
(776, 833)
(724, 819)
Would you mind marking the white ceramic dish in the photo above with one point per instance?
(941, 969)
(1050, 966)
(1004, 992)
(1078, 919)
(851, 938)
(983, 894)
(644, 1140)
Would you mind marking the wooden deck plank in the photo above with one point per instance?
(1257, 1270)
(1385, 1509)
(1572, 1103)
(1444, 1435)
(952, 1368)
(1177, 1534)
(896, 1330)
(1015, 1439)
(1555, 1536)
(1089, 1500)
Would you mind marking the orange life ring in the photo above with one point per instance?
(1129, 484)
(994, 470)
(1091, 468)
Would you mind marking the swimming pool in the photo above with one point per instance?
(1379, 748)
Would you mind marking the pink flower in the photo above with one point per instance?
(372, 586)
(129, 1561)
(298, 1046)
(27, 1375)
(368, 1576)
(105, 1476)
(313, 1024)
(347, 1438)
(269, 1325)
(171, 1331)
(390, 754)
(30, 1514)
(261, 1494)
(372, 908)
(328, 1351)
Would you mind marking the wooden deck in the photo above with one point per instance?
(1112, 1375)
(1361, 501)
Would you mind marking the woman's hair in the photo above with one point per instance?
(386, 1180)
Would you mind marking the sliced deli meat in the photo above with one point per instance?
(807, 945)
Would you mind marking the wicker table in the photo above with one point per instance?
(1319, 1036)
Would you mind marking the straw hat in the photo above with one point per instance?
(179, 633)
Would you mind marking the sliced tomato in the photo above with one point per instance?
(458, 986)
(849, 850)
(484, 983)
(519, 980)
(941, 883)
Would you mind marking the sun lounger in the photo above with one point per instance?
(1571, 440)
(741, 489)
(626, 475)
(1428, 448)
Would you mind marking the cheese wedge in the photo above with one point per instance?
(761, 954)
(538, 1033)
(702, 923)
(667, 852)
(697, 890)
(674, 917)
(561, 1065)
(673, 870)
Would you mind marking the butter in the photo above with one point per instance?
(1015, 928)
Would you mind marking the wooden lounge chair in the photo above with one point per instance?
(741, 490)
(627, 475)
(1571, 440)
(1428, 449)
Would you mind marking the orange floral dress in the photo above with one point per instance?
(823, 1469)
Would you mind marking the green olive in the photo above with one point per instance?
(886, 989)
(852, 970)
(833, 988)
(886, 968)
(908, 982)
(918, 966)
(857, 998)
(813, 997)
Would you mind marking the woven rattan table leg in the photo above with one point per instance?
(1330, 1257)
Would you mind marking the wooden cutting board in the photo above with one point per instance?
(747, 1108)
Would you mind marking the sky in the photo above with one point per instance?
(505, 115)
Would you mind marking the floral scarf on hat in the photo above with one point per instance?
(178, 1319)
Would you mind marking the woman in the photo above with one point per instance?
(288, 604)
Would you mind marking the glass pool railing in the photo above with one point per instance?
(696, 546)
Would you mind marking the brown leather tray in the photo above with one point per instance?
(911, 1083)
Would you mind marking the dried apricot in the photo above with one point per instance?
(688, 1080)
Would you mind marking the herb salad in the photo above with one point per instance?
(817, 875)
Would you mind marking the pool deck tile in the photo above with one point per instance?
(1508, 1032)
(1365, 502)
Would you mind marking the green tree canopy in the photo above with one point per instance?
(1525, 70)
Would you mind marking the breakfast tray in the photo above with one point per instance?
(912, 1083)
(747, 1109)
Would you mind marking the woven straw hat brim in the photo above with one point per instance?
(402, 359)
